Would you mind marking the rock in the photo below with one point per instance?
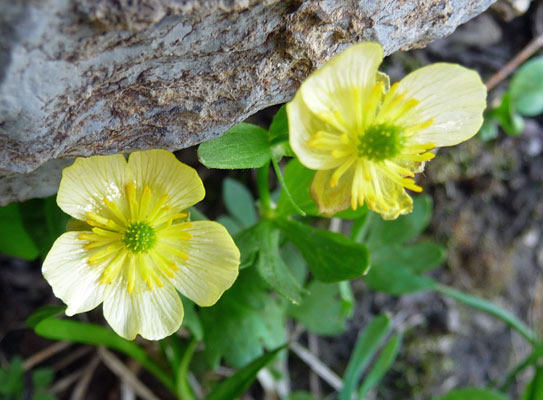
(84, 77)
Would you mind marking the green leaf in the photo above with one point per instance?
(347, 298)
(14, 239)
(43, 377)
(381, 366)
(534, 390)
(43, 313)
(191, 321)
(279, 127)
(298, 181)
(474, 394)
(321, 311)
(402, 229)
(364, 349)
(300, 396)
(245, 319)
(527, 88)
(78, 332)
(272, 268)
(11, 379)
(510, 121)
(248, 242)
(332, 257)
(239, 202)
(237, 384)
(418, 258)
(232, 226)
(184, 391)
(491, 309)
(396, 279)
(44, 221)
(489, 129)
(243, 146)
(43, 396)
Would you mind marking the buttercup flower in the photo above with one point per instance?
(366, 139)
(137, 246)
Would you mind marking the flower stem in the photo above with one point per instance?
(264, 190)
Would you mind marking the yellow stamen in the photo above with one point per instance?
(144, 202)
(410, 184)
(115, 210)
(113, 269)
(132, 200)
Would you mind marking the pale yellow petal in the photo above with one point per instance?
(385, 195)
(452, 96)
(332, 200)
(164, 174)
(303, 126)
(86, 183)
(212, 264)
(73, 280)
(154, 314)
(331, 87)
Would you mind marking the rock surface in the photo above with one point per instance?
(84, 77)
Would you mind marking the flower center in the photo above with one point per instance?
(380, 142)
(139, 237)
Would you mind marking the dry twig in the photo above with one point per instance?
(119, 369)
(80, 389)
(44, 354)
(317, 365)
(512, 65)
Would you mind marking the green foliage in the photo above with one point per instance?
(300, 396)
(238, 383)
(321, 311)
(527, 88)
(397, 266)
(243, 146)
(271, 266)
(79, 332)
(12, 382)
(382, 365)
(473, 394)
(29, 229)
(534, 390)
(523, 98)
(14, 239)
(239, 202)
(298, 180)
(245, 319)
(365, 348)
(491, 309)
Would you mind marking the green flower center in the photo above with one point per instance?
(139, 237)
(380, 142)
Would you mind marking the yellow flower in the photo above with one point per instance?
(137, 246)
(366, 139)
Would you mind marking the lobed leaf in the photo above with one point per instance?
(243, 146)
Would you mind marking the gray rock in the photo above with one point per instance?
(84, 77)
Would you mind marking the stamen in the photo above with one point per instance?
(106, 233)
(410, 130)
(131, 275)
(113, 269)
(338, 173)
(173, 250)
(158, 209)
(417, 157)
(104, 254)
(132, 200)
(371, 105)
(115, 210)
(144, 202)
(410, 184)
